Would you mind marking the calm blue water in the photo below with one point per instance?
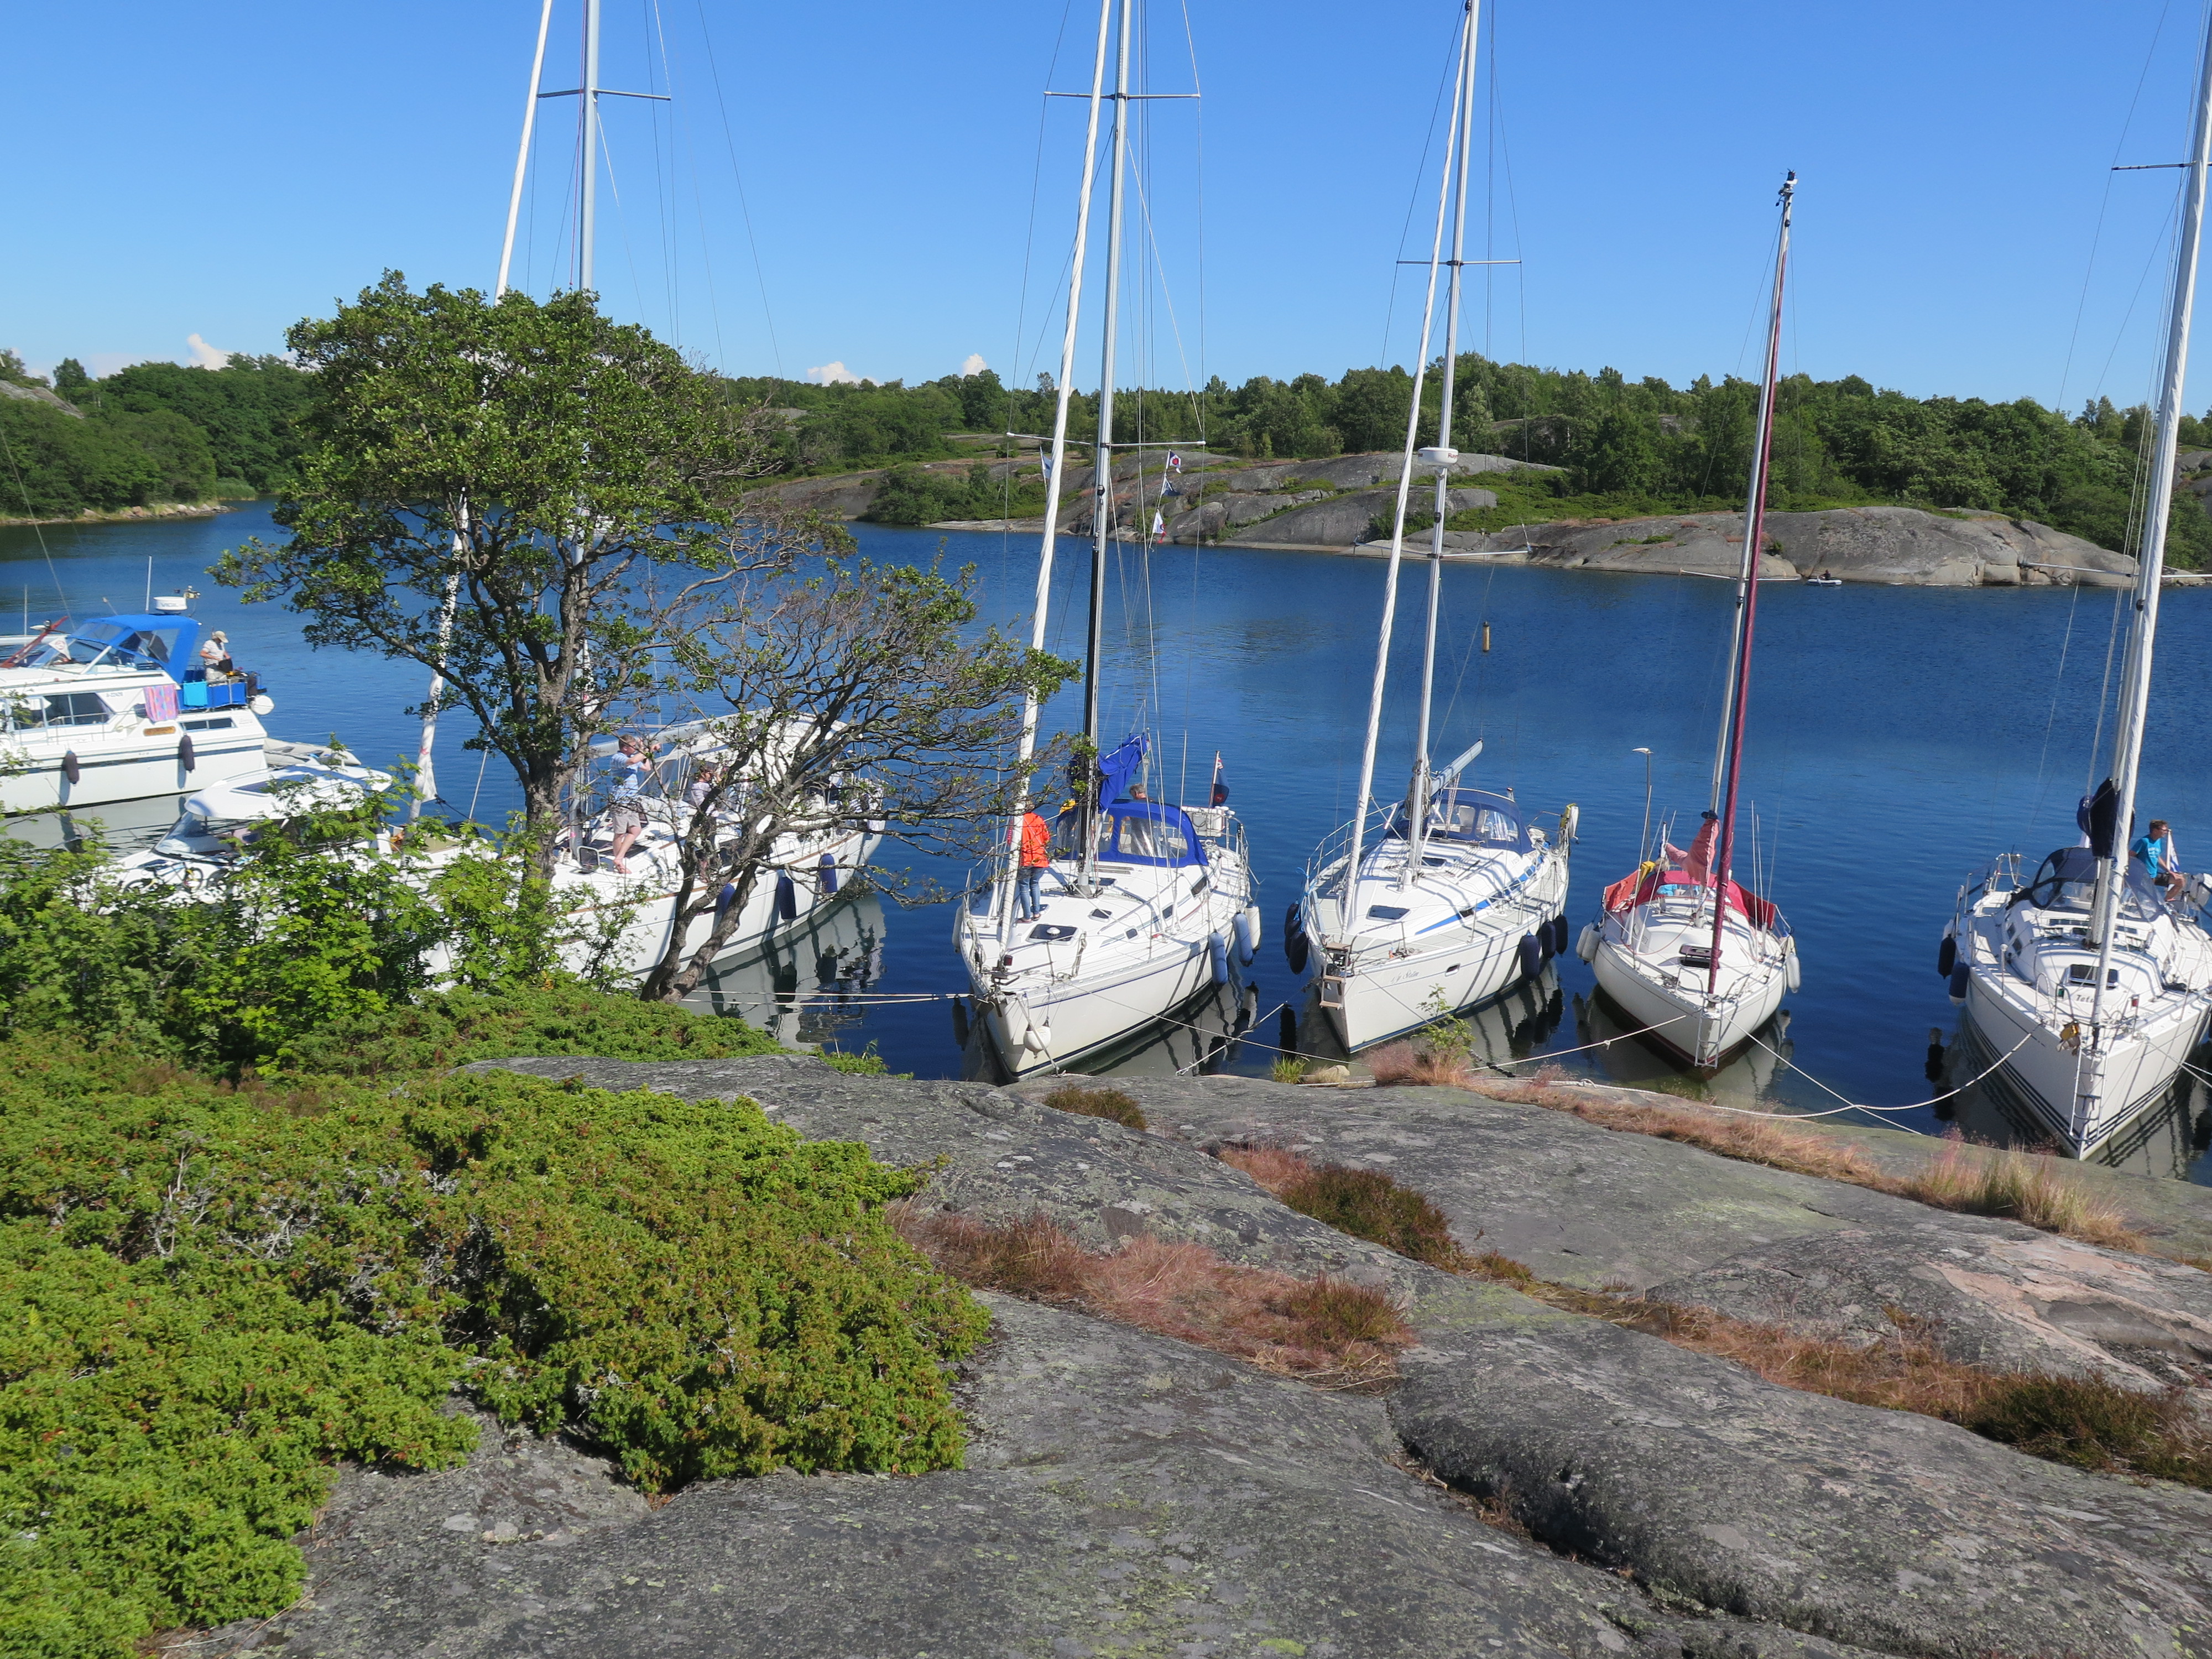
(1900, 737)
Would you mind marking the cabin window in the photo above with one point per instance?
(62, 709)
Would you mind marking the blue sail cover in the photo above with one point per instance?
(1116, 768)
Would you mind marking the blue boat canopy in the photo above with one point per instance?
(1152, 832)
(166, 642)
(1474, 817)
(1116, 768)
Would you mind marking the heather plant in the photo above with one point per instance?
(210, 1293)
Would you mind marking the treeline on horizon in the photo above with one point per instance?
(1626, 448)
(160, 432)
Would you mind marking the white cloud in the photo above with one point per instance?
(101, 364)
(975, 364)
(205, 355)
(832, 374)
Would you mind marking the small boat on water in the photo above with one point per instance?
(1697, 961)
(1460, 894)
(120, 708)
(2087, 984)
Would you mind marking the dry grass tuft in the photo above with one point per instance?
(1109, 1103)
(1325, 1331)
(1403, 1062)
(2085, 1421)
(1365, 1203)
(2023, 1185)
(1750, 1139)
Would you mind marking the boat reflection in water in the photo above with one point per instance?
(2166, 1138)
(123, 826)
(1511, 1026)
(1200, 1037)
(804, 985)
(1634, 1063)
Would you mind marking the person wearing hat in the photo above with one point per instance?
(215, 653)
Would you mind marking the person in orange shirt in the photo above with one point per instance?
(1036, 860)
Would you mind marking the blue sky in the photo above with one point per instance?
(219, 172)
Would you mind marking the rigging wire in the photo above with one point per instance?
(745, 207)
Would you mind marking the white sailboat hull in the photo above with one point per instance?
(1440, 962)
(1680, 1006)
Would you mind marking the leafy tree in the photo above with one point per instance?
(69, 377)
(848, 693)
(250, 409)
(561, 475)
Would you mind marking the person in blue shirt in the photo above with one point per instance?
(2155, 849)
(626, 803)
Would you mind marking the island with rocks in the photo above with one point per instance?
(1345, 505)
(1580, 1398)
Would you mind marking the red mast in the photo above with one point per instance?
(1754, 537)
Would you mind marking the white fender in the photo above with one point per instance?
(1248, 933)
(1039, 1041)
(1792, 975)
(1015, 1019)
(1586, 942)
(1571, 816)
(1217, 947)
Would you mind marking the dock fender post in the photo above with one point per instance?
(1532, 957)
(1586, 942)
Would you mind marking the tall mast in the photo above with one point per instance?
(1029, 707)
(1754, 536)
(2150, 558)
(1417, 805)
(588, 138)
(1360, 803)
(1102, 482)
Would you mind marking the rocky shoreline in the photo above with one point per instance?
(1537, 1482)
(134, 514)
(1328, 507)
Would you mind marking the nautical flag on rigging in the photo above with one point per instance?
(1159, 528)
(1220, 783)
(160, 703)
(1048, 463)
(1174, 462)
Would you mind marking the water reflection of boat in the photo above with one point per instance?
(1636, 1063)
(123, 826)
(1200, 1036)
(802, 986)
(1510, 1027)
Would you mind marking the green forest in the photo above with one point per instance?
(160, 432)
(148, 433)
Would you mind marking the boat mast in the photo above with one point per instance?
(2150, 562)
(522, 154)
(1102, 481)
(1359, 805)
(1027, 746)
(588, 139)
(1754, 534)
(1416, 801)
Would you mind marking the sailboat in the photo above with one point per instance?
(1698, 962)
(2086, 985)
(1462, 894)
(1150, 908)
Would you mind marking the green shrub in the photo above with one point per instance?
(1109, 1103)
(210, 1293)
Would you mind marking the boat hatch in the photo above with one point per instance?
(1386, 912)
(2082, 973)
(1052, 932)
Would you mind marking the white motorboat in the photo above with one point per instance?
(1150, 908)
(1697, 963)
(2086, 986)
(1462, 895)
(120, 708)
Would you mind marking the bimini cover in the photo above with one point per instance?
(1152, 832)
(164, 642)
(1116, 768)
(1474, 817)
(2066, 867)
